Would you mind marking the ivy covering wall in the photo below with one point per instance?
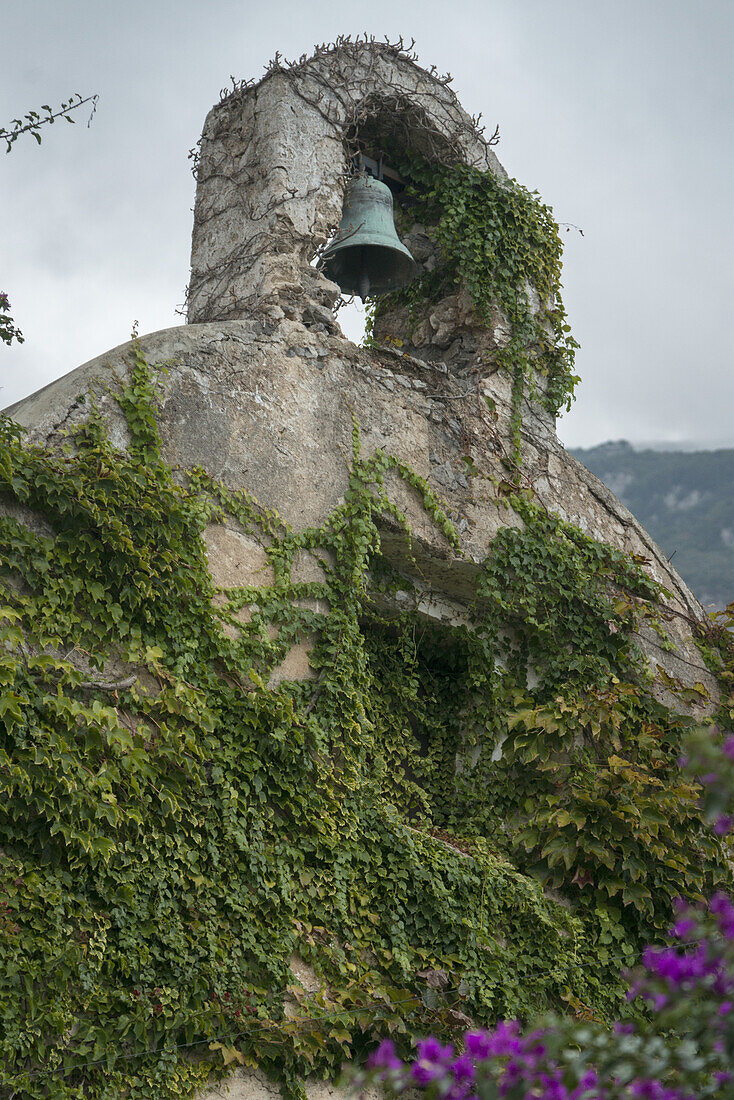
(171, 833)
(499, 242)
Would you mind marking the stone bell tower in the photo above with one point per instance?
(263, 384)
(262, 391)
(271, 173)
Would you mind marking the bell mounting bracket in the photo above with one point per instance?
(379, 170)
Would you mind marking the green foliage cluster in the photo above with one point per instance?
(500, 242)
(586, 794)
(9, 331)
(167, 845)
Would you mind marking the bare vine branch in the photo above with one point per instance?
(115, 685)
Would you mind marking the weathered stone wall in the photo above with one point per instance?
(262, 385)
(247, 1084)
(267, 407)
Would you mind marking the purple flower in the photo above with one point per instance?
(677, 968)
(385, 1057)
(432, 1062)
(432, 1051)
(723, 824)
(460, 1090)
(505, 1039)
(589, 1081)
(462, 1068)
(723, 910)
(424, 1073)
(683, 928)
(477, 1045)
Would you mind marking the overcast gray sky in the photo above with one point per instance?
(618, 111)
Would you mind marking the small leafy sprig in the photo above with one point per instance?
(9, 331)
(32, 121)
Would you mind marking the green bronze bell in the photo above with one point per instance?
(366, 257)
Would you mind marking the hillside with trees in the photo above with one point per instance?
(686, 502)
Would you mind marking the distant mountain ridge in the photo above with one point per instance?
(685, 499)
